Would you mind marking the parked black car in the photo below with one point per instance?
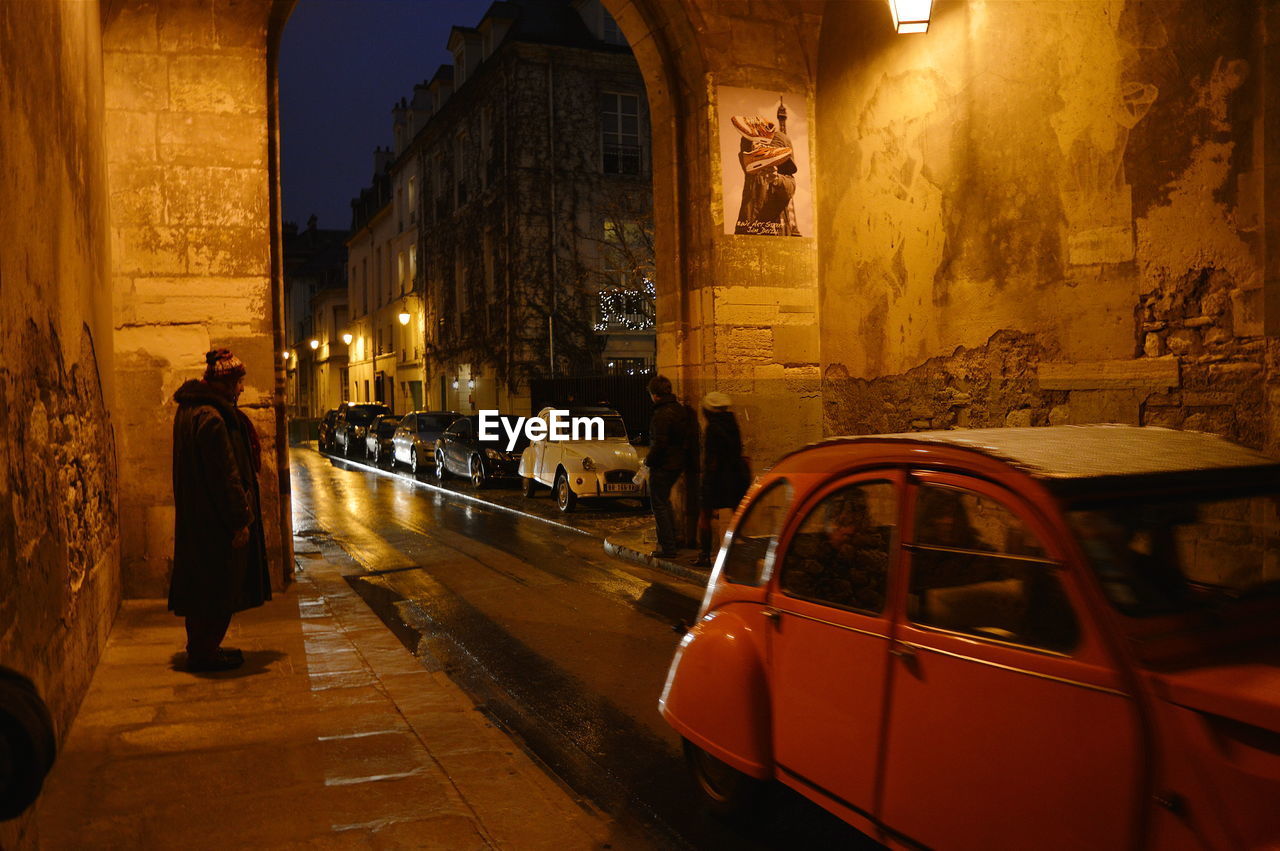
(415, 441)
(352, 424)
(377, 438)
(461, 452)
(326, 430)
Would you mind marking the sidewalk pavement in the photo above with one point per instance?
(332, 735)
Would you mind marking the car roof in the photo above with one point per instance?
(434, 413)
(1070, 458)
(585, 411)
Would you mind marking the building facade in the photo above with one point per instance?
(315, 305)
(515, 236)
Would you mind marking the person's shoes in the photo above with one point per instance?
(663, 554)
(703, 560)
(753, 126)
(763, 157)
(232, 652)
(218, 662)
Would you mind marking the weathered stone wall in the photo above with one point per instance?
(187, 151)
(1083, 178)
(59, 531)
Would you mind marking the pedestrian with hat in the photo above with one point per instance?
(726, 475)
(219, 553)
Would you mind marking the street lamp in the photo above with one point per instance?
(910, 16)
(346, 338)
(455, 384)
(285, 355)
(471, 384)
(404, 318)
(315, 344)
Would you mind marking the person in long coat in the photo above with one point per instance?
(725, 473)
(220, 556)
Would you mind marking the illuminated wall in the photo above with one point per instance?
(1045, 212)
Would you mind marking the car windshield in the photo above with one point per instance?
(387, 425)
(614, 427)
(1158, 557)
(436, 423)
(364, 415)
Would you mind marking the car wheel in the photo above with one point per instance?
(566, 499)
(413, 460)
(347, 449)
(377, 455)
(478, 478)
(441, 472)
(725, 790)
(530, 487)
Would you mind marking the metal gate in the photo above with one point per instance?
(626, 394)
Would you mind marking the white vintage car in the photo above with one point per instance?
(581, 469)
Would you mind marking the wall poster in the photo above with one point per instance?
(764, 162)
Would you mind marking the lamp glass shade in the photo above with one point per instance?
(911, 16)
(404, 318)
(455, 384)
(471, 384)
(315, 344)
(346, 338)
(284, 355)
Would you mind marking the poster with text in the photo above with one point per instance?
(764, 162)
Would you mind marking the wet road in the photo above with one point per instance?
(554, 639)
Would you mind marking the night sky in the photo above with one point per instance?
(344, 64)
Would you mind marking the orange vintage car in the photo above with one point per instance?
(1038, 638)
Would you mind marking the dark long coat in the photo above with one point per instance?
(215, 492)
(725, 476)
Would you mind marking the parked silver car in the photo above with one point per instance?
(414, 443)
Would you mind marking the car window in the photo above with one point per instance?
(754, 538)
(840, 554)
(976, 568)
(462, 428)
(408, 422)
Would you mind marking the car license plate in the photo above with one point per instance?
(624, 487)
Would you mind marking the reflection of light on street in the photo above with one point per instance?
(469, 512)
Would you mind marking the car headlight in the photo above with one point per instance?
(359, 431)
(587, 464)
(495, 455)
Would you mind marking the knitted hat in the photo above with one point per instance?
(222, 365)
(716, 401)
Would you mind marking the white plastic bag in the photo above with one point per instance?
(642, 475)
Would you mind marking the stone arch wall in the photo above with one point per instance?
(735, 313)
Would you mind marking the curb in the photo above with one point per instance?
(686, 572)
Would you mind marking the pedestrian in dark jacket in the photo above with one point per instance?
(725, 474)
(673, 447)
(219, 553)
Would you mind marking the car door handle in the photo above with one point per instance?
(773, 615)
(903, 651)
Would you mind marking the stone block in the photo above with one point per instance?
(796, 344)
(185, 26)
(1104, 406)
(220, 197)
(137, 194)
(1152, 346)
(230, 82)
(212, 139)
(163, 301)
(178, 348)
(229, 252)
(148, 250)
(130, 136)
(159, 521)
(1247, 312)
(1140, 374)
(1019, 419)
(237, 23)
(132, 27)
(138, 82)
(746, 344)
(1184, 341)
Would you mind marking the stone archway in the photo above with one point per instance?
(735, 313)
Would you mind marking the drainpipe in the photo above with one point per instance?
(279, 16)
(551, 212)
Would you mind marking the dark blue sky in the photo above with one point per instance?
(343, 65)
